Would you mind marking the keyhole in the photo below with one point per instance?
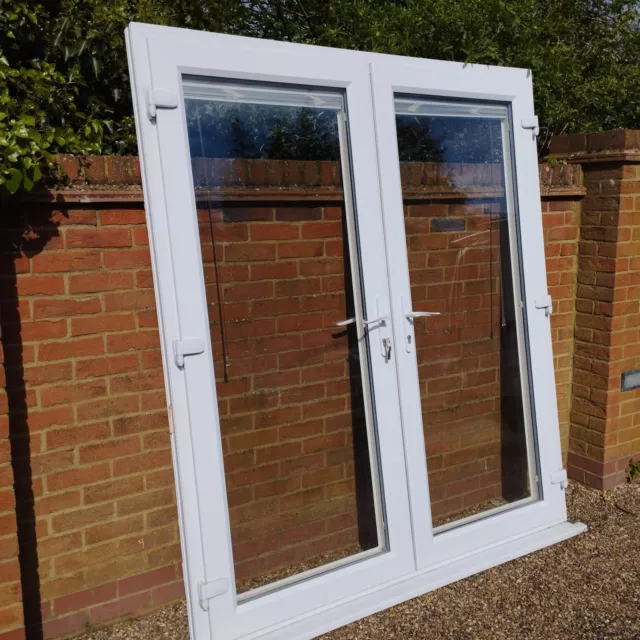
(409, 339)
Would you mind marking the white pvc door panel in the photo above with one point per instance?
(349, 270)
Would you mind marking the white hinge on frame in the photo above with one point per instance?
(209, 590)
(545, 303)
(160, 99)
(186, 347)
(531, 123)
(561, 478)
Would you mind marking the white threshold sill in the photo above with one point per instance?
(418, 583)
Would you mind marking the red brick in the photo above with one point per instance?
(274, 231)
(300, 249)
(244, 252)
(142, 462)
(168, 593)
(109, 407)
(66, 394)
(135, 340)
(65, 626)
(71, 436)
(81, 518)
(127, 259)
(113, 530)
(114, 489)
(109, 450)
(108, 281)
(108, 365)
(140, 236)
(48, 285)
(104, 323)
(126, 300)
(49, 417)
(64, 307)
(49, 462)
(122, 217)
(74, 348)
(77, 477)
(84, 599)
(145, 502)
(147, 581)
(144, 279)
(65, 261)
(36, 375)
(313, 230)
(140, 381)
(249, 291)
(274, 270)
(97, 238)
(119, 608)
(140, 423)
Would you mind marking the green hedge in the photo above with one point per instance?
(63, 71)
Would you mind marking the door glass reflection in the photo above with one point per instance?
(460, 230)
(268, 173)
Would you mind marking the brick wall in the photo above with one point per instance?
(605, 421)
(97, 520)
(84, 401)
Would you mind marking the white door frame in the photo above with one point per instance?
(417, 561)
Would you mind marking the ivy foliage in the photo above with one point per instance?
(64, 82)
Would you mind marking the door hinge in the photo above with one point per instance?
(160, 99)
(531, 123)
(545, 303)
(186, 347)
(209, 590)
(561, 478)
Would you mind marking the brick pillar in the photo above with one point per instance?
(605, 421)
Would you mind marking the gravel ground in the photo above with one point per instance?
(586, 587)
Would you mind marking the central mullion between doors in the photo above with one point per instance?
(360, 328)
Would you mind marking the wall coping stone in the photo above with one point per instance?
(109, 179)
(619, 146)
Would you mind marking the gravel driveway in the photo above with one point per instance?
(586, 587)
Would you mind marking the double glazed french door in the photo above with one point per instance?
(349, 268)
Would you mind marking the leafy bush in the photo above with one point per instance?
(39, 110)
(63, 70)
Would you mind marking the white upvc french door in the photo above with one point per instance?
(478, 94)
(180, 66)
(360, 391)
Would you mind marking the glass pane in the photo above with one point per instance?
(292, 386)
(461, 241)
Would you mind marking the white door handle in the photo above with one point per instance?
(383, 321)
(380, 320)
(420, 314)
(409, 316)
(366, 323)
